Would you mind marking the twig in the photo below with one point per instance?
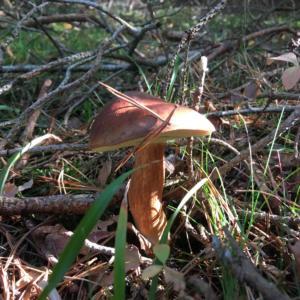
(35, 70)
(28, 132)
(229, 45)
(63, 18)
(253, 110)
(263, 216)
(51, 96)
(131, 100)
(18, 26)
(286, 125)
(98, 7)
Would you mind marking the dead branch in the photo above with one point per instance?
(286, 125)
(51, 96)
(229, 45)
(35, 70)
(47, 148)
(18, 27)
(72, 17)
(57, 204)
(276, 219)
(231, 255)
(254, 110)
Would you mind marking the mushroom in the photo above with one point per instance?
(122, 124)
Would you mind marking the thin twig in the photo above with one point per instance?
(51, 96)
(286, 125)
(254, 110)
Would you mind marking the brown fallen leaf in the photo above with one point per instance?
(104, 172)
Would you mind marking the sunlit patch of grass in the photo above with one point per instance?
(35, 47)
(30, 46)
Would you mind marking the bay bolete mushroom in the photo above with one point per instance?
(122, 124)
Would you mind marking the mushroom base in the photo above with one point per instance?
(145, 192)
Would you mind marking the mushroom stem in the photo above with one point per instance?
(145, 192)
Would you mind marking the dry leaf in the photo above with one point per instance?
(132, 258)
(104, 172)
(10, 189)
(251, 90)
(287, 57)
(290, 77)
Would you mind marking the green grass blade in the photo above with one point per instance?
(167, 230)
(142, 73)
(173, 78)
(83, 229)
(12, 160)
(7, 108)
(119, 263)
(184, 200)
(273, 142)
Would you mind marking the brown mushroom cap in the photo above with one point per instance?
(122, 124)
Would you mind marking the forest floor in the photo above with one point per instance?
(237, 234)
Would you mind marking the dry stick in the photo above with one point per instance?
(233, 257)
(254, 110)
(297, 144)
(51, 96)
(227, 46)
(158, 30)
(279, 95)
(47, 148)
(276, 219)
(57, 204)
(286, 125)
(17, 29)
(28, 132)
(98, 7)
(93, 247)
(35, 70)
(65, 18)
(196, 105)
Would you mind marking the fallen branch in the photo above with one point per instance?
(57, 204)
(264, 216)
(51, 96)
(228, 46)
(286, 125)
(231, 255)
(65, 18)
(47, 148)
(254, 110)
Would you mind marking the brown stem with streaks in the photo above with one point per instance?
(145, 192)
